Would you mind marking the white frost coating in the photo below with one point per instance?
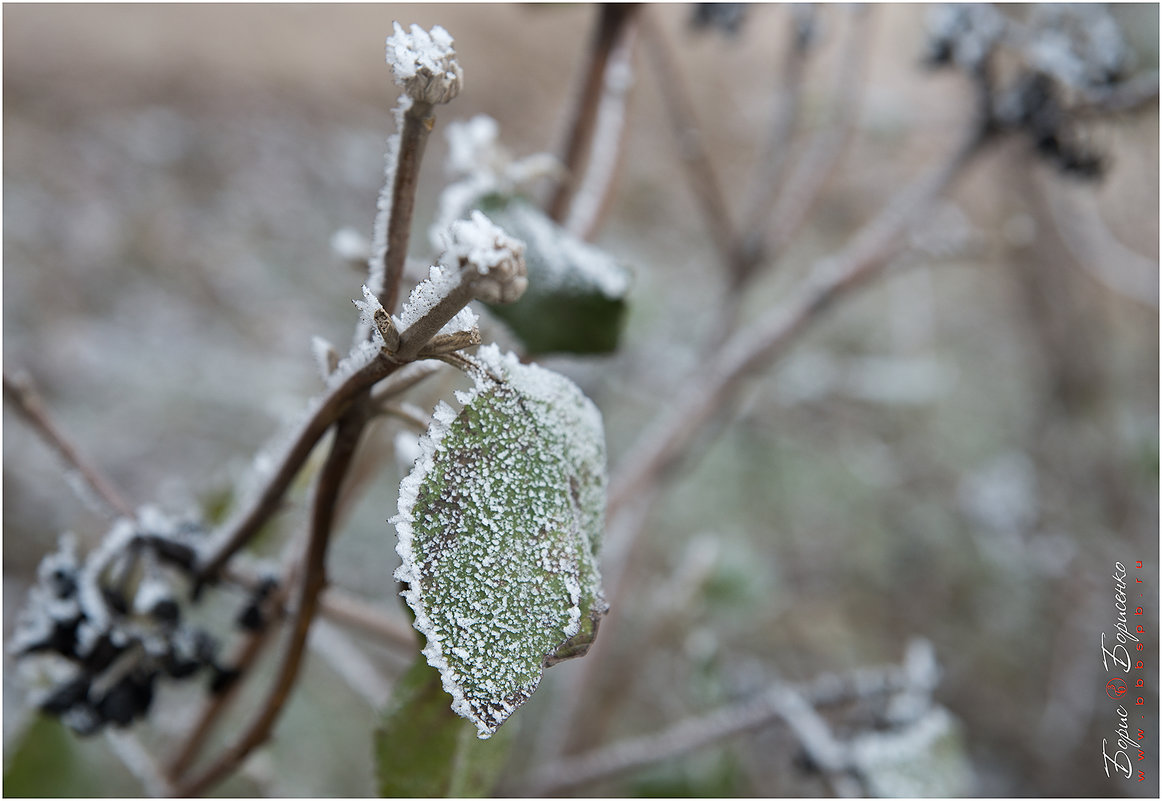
(425, 63)
(325, 356)
(473, 146)
(440, 281)
(497, 258)
(375, 262)
(498, 529)
(475, 153)
(587, 265)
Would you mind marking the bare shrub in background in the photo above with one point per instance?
(749, 580)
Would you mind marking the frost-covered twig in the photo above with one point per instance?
(424, 65)
(244, 524)
(613, 21)
(19, 391)
(481, 263)
(699, 168)
(327, 489)
(794, 705)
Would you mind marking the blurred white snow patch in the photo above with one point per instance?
(1002, 495)
(925, 758)
(407, 449)
(350, 245)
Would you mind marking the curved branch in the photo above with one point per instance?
(331, 478)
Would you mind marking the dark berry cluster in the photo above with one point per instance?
(1061, 57)
(100, 633)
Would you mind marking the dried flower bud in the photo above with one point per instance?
(425, 64)
(491, 261)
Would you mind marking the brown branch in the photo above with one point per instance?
(242, 526)
(327, 490)
(699, 168)
(1131, 95)
(830, 279)
(802, 189)
(595, 188)
(418, 121)
(793, 705)
(784, 115)
(340, 607)
(612, 20)
(244, 657)
(19, 391)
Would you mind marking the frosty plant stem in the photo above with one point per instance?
(413, 138)
(425, 66)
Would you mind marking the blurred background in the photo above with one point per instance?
(958, 453)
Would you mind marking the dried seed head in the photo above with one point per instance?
(490, 261)
(425, 64)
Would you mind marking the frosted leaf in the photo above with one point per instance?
(500, 522)
(576, 298)
(569, 263)
(424, 63)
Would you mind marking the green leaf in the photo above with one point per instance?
(576, 298)
(500, 522)
(424, 750)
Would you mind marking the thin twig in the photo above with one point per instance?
(801, 190)
(413, 138)
(1141, 90)
(245, 524)
(830, 279)
(635, 485)
(341, 607)
(784, 115)
(699, 168)
(343, 654)
(243, 659)
(612, 19)
(781, 702)
(20, 392)
(348, 610)
(138, 761)
(327, 490)
(1096, 249)
(595, 188)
